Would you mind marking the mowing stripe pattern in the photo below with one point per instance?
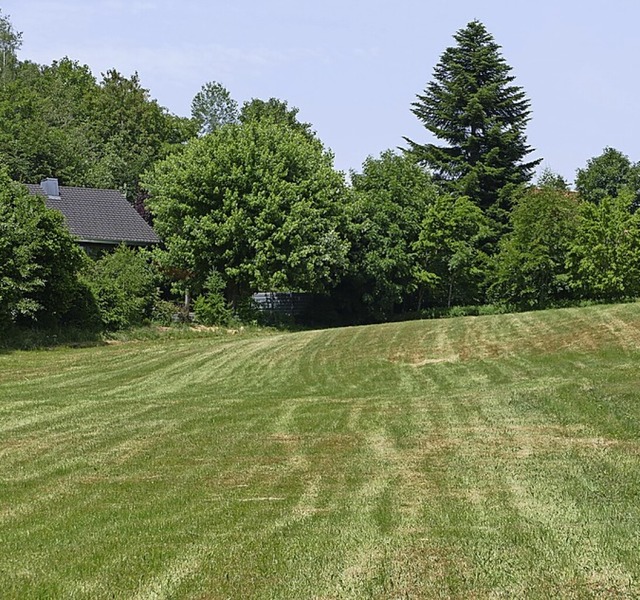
(479, 457)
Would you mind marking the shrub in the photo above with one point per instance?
(164, 312)
(211, 307)
(124, 286)
(39, 261)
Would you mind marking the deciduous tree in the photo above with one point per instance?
(213, 107)
(450, 265)
(45, 122)
(124, 286)
(604, 259)
(10, 43)
(608, 175)
(530, 269)
(39, 260)
(390, 199)
(276, 111)
(57, 120)
(258, 203)
(133, 132)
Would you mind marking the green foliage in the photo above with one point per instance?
(608, 175)
(211, 307)
(10, 43)
(530, 270)
(124, 285)
(275, 111)
(39, 260)
(384, 218)
(472, 105)
(258, 203)
(213, 107)
(132, 132)
(450, 266)
(58, 121)
(43, 122)
(550, 180)
(605, 257)
(164, 312)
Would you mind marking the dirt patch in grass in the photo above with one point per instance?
(285, 438)
(417, 360)
(424, 568)
(514, 441)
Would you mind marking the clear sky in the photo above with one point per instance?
(353, 67)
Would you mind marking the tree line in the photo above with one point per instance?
(247, 199)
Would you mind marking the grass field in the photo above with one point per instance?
(478, 457)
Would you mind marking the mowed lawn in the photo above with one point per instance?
(480, 457)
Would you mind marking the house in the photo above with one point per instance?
(100, 219)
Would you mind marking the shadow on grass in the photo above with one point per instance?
(41, 339)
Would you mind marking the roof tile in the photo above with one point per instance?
(99, 215)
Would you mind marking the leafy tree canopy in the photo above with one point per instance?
(604, 259)
(607, 175)
(57, 120)
(390, 199)
(450, 264)
(258, 203)
(10, 43)
(44, 121)
(276, 111)
(132, 132)
(123, 284)
(550, 180)
(473, 106)
(213, 107)
(530, 270)
(39, 260)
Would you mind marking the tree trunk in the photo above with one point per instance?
(187, 301)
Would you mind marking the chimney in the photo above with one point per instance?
(50, 187)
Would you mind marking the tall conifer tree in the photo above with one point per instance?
(473, 106)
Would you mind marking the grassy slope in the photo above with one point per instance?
(474, 457)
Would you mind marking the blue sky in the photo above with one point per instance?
(353, 67)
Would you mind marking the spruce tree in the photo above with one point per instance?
(473, 106)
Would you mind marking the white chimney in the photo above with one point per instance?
(50, 187)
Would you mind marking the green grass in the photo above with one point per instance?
(477, 457)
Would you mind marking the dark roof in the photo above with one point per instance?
(99, 216)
